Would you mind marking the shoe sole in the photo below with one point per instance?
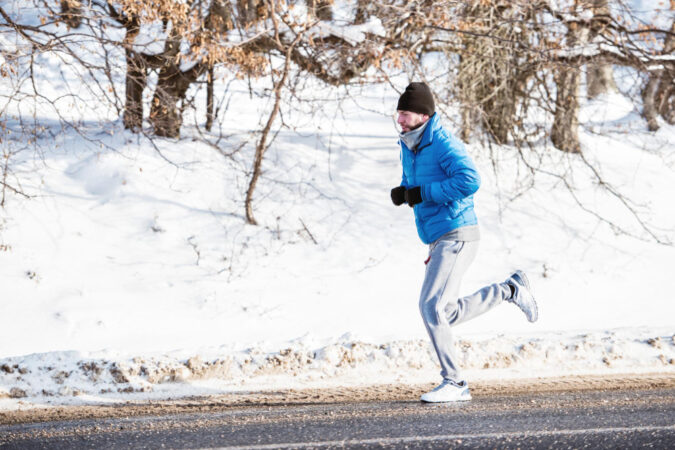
(464, 396)
(463, 399)
(526, 281)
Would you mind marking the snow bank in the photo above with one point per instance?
(80, 377)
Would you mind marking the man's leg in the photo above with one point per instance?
(439, 303)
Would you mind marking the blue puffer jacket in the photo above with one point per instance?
(448, 180)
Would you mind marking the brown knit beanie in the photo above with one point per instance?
(417, 98)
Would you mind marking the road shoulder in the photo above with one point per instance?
(352, 394)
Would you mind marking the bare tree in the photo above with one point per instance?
(321, 9)
(503, 58)
(599, 74)
(493, 69)
(278, 86)
(363, 11)
(71, 12)
(210, 105)
(173, 80)
(136, 73)
(658, 96)
(564, 132)
(249, 11)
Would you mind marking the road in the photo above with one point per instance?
(642, 418)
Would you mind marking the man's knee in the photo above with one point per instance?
(451, 312)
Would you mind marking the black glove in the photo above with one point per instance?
(398, 195)
(413, 196)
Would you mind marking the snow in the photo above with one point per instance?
(131, 272)
(106, 377)
(352, 34)
(125, 256)
(151, 39)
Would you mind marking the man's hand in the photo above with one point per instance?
(413, 196)
(398, 195)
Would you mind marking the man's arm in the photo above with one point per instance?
(463, 179)
(404, 182)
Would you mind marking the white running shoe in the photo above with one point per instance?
(522, 295)
(448, 391)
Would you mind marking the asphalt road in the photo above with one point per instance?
(595, 419)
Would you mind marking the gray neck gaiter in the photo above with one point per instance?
(413, 137)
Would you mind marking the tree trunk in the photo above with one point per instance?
(600, 75)
(565, 129)
(501, 113)
(71, 12)
(666, 97)
(248, 11)
(136, 79)
(600, 79)
(209, 99)
(172, 85)
(164, 114)
(467, 122)
(321, 9)
(219, 18)
(362, 13)
(489, 80)
(649, 110)
(666, 93)
(658, 96)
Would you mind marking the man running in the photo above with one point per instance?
(439, 180)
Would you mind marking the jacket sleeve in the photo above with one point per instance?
(463, 179)
(404, 182)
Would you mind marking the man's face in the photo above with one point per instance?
(409, 120)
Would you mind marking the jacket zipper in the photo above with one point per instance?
(425, 146)
(414, 183)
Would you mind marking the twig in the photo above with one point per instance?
(311, 236)
(195, 248)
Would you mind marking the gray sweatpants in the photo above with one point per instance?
(439, 303)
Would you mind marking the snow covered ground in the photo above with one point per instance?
(131, 272)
